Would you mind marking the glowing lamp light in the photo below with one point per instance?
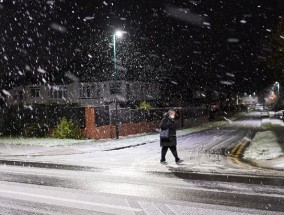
(118, 34)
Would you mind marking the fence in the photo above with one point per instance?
(104, 116)
(15, 118)
(136, 115)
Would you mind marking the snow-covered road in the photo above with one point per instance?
(131, 180)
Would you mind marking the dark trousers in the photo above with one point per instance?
(173, 150)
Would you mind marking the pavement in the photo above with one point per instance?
(264, 151)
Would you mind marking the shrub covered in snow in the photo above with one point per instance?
(145, 105)
(67, 129)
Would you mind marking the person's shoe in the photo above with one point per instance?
(163, 162)
(179, 161)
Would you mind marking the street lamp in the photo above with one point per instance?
(278, 92)
(117, 34)
(278, 86)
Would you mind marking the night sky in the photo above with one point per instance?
(219, 45)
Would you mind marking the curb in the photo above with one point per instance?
(255, 163)
(128, 146)
(47, 165)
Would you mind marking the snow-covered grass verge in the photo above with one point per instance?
(42, 141)
(266, 124)
(263, 147)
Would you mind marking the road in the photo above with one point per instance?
(132, 181)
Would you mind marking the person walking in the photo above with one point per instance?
(170, 141)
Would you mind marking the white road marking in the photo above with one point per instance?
(177, 209)
(70, 200)
(150, 208)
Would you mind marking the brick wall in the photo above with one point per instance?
(108, 131)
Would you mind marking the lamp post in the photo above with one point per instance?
(116, 34)
(278, 93)
(278, 87)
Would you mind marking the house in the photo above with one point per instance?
(85, 94)
(249, 100)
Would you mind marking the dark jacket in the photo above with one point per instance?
(169, 123)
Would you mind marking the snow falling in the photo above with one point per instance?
(180, 47)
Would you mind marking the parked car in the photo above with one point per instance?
(279, 114)
(259, 107)
(264, 113)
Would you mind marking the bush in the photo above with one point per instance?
(145, 105)
(34, 130)
(67, 129)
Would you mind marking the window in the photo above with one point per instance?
(128, 91)
(99, 93)
(88, 91)
(57, 92)
(93, 92)
(35, 92)
(114, 89)
(82, 91)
